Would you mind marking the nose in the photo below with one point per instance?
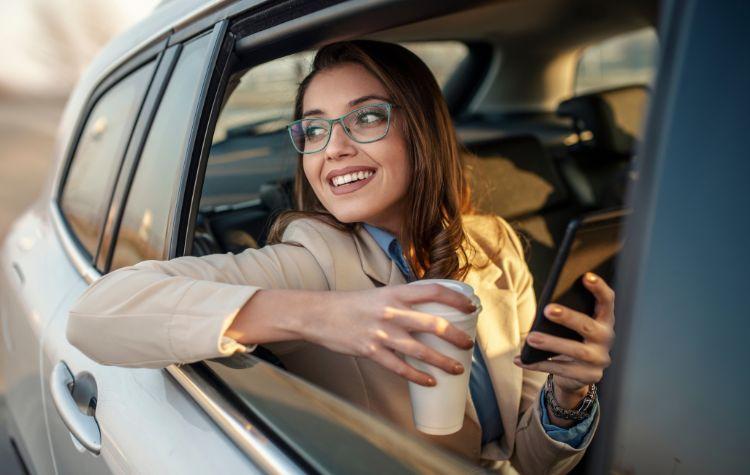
(339, 145)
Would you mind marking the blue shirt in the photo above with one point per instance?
(480, 384)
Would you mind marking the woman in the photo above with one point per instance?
(382, 200)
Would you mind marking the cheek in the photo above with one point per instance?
(312, 172)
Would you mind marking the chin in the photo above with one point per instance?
(349, 216)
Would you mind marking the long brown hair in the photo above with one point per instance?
(435, 242)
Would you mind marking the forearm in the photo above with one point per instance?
(274, 315)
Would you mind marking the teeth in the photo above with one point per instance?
(350, 177)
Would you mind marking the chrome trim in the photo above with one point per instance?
(80, 262)
(259, 449)
(82, 426)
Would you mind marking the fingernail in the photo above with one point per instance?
(591, 278)
(517, 359)
(553, 311)
(457, 368)
(431, 382)
(534, 338)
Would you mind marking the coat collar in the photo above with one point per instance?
(375, 263)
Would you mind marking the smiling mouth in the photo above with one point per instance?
(343, 184)
(341, 180)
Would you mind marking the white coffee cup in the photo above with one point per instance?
(439, 410)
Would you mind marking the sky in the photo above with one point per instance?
(46, 44)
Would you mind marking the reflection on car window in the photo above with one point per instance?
(149, 209)
(623, 60)
(101, 146)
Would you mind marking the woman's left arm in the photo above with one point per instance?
(579, 364)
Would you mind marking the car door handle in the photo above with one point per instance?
(75, 401)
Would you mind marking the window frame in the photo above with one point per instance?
(172, 56)
(152, 53)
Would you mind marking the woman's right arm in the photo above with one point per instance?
(374, 323)
(157, 313)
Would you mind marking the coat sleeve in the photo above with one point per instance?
(535, 451)
(157, 313)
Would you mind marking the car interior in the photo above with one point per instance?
(547, 96)
(542, 145)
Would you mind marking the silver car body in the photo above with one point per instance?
(40, 280)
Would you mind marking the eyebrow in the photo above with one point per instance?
(352, 103)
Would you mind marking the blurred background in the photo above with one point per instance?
(44, 47)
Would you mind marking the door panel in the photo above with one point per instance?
(148, 424)
(35, 276)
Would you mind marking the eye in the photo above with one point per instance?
(369, 117)
(314, 133)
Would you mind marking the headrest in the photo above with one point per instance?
(277, 196)
(613, 117)
(513, 177)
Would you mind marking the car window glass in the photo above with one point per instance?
(149, 208)
(442, 57)
(623, 60)
(102, 143)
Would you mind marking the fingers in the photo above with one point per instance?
(388, 360)
(436, 293)
(605, 297)
(414, 321)
(588, 353)
(583, 374)
(587, 327)
(407, 345)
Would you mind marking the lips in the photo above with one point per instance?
(352, 186)
(347, 171)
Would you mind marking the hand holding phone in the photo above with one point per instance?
(591, 244)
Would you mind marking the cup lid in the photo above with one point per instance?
(458, 286)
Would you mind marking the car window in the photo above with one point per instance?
(149, 208)
(250, 144)
(442, 57)
(252, 162)
(87, 190)
(619, 61)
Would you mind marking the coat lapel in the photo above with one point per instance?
(498, 338)
(375, 263)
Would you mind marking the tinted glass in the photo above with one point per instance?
(149, 208)
(87, 191)
(620, 61)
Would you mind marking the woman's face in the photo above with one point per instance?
(379, 199)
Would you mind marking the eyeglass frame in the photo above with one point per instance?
(332, 122)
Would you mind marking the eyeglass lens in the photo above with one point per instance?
(366, 124)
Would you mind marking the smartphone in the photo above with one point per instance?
(591, 244)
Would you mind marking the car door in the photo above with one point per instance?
(34, 279)
(38, 275)
(104, 419)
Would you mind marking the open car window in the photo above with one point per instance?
(252, 162)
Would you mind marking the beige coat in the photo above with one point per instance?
(157, 313)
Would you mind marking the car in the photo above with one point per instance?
(173, 144)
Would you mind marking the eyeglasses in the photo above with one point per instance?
(364, 125)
